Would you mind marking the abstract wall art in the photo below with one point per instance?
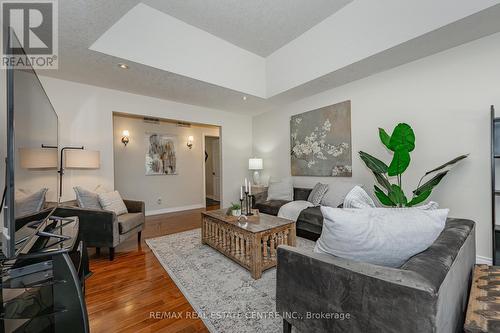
(321, 142)
(161, 158)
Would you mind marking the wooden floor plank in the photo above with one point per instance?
(121, 294)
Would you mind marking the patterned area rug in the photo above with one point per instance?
(222, 292)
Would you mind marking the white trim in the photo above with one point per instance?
(173, 209)
(483, 260)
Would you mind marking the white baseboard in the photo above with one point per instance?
(173, 209)
(483, 260)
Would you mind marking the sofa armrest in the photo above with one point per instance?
(135, 206)
(98, 228)
(376, 298)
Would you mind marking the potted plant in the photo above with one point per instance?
(401, 143)
(235, 209)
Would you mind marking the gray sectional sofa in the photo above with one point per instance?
(428, 293)
(310, 221)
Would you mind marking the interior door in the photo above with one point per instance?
(216, 168)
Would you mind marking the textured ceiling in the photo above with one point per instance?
(259, 26)
(82, 22)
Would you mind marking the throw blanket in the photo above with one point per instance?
(291, 210)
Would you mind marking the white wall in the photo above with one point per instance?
(176, 192)
(445, 98)
(86, 118)
(357, 31)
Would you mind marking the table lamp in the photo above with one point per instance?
(255, 164)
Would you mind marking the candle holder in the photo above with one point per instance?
(241, 206)
(248, 204)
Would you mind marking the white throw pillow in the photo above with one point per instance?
(381, 236)
(113, 201)
(358, 198)
(336, 193)
(282, 190)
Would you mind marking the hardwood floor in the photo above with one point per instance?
(133, 293)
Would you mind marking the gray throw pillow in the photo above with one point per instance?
(87, 199)
(318, 192)
(113, 201)
(29, 204)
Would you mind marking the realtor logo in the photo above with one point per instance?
(29, 34)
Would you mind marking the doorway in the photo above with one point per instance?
(212, 171)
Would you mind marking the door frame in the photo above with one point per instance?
(205, 135)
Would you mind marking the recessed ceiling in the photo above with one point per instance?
(83, 22)
(259, 26)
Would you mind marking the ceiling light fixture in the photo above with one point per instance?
(244, 98)
(123, 66)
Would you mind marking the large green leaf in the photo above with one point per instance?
(453, 161)
(419, 198)
(400, 162)
(430, 184)
(397, 195)
(384, 137)
(402, 138)
(373, 163)
(383, 198)
(382, 181)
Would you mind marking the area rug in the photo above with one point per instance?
(223, 294)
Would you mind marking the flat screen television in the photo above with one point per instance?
(30, 146)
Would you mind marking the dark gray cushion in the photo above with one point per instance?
(270, 207)
(311, 221)
(127, 222)
(311, 215)
(301, 193)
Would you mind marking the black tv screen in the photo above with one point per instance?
(31, 148)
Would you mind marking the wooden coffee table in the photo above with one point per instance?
(252, 243)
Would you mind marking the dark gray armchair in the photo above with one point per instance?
(101, 228)
(324, 293)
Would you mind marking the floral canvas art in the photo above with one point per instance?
(161, 158)
(321, 142)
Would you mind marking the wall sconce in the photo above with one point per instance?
(190, 141)
(125, 138)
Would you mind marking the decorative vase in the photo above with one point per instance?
(236, 212)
